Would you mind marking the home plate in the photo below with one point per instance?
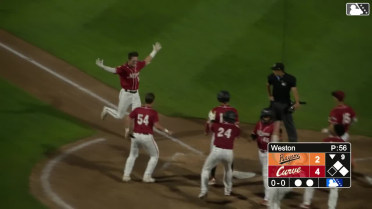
(243, 175)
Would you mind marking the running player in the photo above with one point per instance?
(144, 118)
(129, 81)
(224, 134)
(341, 114)
(262, 134)
(216, 116)
(337, 131)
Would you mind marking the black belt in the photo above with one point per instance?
(131, 91)
(222, 147)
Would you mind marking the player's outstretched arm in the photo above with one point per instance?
(155, 49)
(161, 128)
(99, 63)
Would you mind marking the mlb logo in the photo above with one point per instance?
(334, 182)
(357, 9)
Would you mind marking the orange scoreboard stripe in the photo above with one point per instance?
(300, 159)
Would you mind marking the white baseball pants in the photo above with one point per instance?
(263, 160)
(275, 197)
(125, 99)
(149, 144)
(217, 155)
(332, 198)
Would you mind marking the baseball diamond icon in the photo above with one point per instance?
(338, 167)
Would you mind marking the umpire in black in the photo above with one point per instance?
(282, 84)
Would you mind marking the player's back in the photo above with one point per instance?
(144, 119)
(225, 134)
(220, 110)
(342, 114)
(263, 131)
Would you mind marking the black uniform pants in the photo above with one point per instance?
(281, 113)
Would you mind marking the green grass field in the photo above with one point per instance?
(30, 130)
(212, 45)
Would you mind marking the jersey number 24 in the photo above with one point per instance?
(222, 132)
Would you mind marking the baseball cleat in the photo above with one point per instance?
(103, 114)
(202, 195)
(304, 206)
(126, 178)
(264, 203)
(148, 179)
(227, 192)
(212, 181)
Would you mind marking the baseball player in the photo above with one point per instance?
(144, 119)
(129, 81)
(216, 116)
(224, 135)
(341, 114)
(337, 131)
(262, 134)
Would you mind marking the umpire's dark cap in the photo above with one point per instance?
(278, 66)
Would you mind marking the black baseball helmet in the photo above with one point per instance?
(223, 96)
(229, 116)
(267, 112)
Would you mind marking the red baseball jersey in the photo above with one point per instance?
(225, 134)
(333, 139)
(129, 75)
(342, 114)
(220, 110)
(144, 119)
(263, 132)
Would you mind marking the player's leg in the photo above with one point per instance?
(153, 150)
(227, 160)
(125, 99)
(136, 100)
(274, 202)
(332, 199)
(263, 160)
(212, 178)
(131, 159)
(289, 126)
(308, 196)
(209, 163)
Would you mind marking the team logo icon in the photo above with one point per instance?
(357, 9)
(334, 182)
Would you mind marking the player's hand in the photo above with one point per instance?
(296, 105)
(156, 47)
(168, 132)
(99, 62)
(325, 130)
(212, 116)
(271, 98)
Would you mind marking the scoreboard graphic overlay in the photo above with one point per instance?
(320, 165)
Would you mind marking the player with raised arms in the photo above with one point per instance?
(129, 81)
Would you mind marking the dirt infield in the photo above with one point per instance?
(90, 177)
